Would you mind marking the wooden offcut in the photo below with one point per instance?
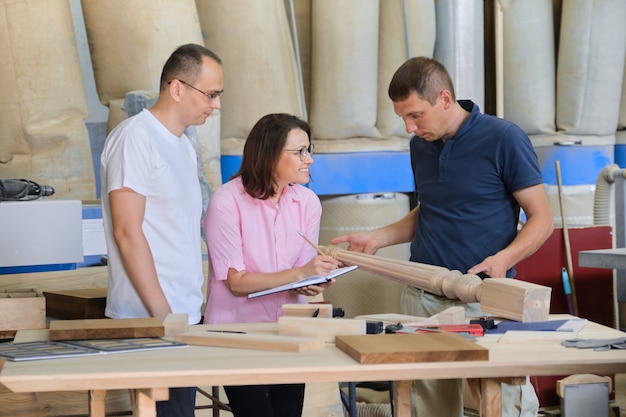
(105, 328)
(502, 297)
(250, 341)
(405, 348)
(87, 303)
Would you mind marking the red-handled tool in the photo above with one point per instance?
(471, 329)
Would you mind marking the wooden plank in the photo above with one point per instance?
(92, 277)
(403, 348)
(323, 328)
(250, 341)
(391, 318)
(86, 303)
(308, 310)
(105, 328)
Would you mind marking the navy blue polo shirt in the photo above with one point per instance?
(464, 187)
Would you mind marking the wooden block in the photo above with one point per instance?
(391, 318)
(415, 347)
(515, 299)
(105, 328)
(579, 379)
(451, 315)
(307, 310)
(22, 309)
(37, 335)
(250, 341)
(534, 337)
(322, 328)
(7, 334)
(87, 303)
(176, 323)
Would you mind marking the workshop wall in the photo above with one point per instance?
(555, 67)
(43, 133)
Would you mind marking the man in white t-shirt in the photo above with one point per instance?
(152, 203)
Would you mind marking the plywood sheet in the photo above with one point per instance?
(403, 348)
(250, 341)
(105, 328)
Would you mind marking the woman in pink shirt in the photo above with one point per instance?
(252, 226)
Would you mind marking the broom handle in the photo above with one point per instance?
(568, 250)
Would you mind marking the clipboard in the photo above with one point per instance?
(314, 280)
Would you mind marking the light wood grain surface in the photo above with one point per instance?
(201, 365)
(407, 348)
(209, 366)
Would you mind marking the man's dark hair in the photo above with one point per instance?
(423, 75)
(186, 62)
(264, 147)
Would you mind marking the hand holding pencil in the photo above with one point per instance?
(322, 260)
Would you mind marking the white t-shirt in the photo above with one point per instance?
(141, 154)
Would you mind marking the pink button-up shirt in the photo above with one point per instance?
(247, 233)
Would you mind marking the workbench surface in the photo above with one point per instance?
(511, 356)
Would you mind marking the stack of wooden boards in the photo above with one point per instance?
(85, 303)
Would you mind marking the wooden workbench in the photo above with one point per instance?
(149, 374)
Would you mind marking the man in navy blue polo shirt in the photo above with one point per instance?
(473, 173)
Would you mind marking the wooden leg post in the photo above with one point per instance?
(96, 403)
(402, 398)
(488, 392)
(143, 400)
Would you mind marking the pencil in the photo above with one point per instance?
(319, 252)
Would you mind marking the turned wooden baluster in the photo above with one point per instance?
(434, 279)
(501, 297)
